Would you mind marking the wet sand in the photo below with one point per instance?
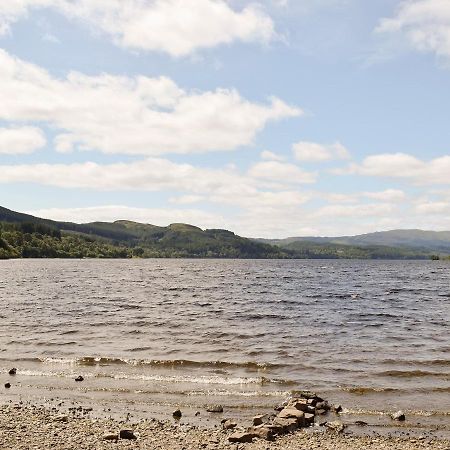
(35, 427)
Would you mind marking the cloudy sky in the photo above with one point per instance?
(271, 118)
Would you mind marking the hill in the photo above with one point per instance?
(26, 236)
(425, 241)
(23, 235)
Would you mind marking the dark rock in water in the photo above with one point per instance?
(399, 415)
(177, 414)
(337, 409)
(215, 408)
(323, 405)
(336, 426)
(127, 434)
(111, 437)
(79, 378)
(197, 413)
(361, 423)
(241, 437)
(7, 385)
(13, 371)
(229, 424)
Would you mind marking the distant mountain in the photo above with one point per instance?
(26, 236)
(430, 241)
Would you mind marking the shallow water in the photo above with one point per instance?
(154, 334)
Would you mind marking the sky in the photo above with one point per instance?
(270, 118)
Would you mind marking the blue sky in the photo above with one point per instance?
(271, 118)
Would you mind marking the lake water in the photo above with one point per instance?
(152, 335)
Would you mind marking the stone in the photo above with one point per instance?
(110, 437)
(215, 408)
(336, 426)
(242, 437)
(229, 424)
(177, 414)
(361, 423)
(282, 426)
(309, 418)
(399, 415)
(79, 378)
(337, 409)
(300, 404)
(13, 371)
(258, 420)
(264, 432)
(7, 385)
(323, 405)
(292, 413)
(127, 434)
(320, 412)
(61, 418)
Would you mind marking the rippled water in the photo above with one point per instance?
(374, 336)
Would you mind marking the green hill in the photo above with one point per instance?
(26, 236)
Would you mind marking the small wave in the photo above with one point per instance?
(412, 374)
(361, 390)
(105, 361)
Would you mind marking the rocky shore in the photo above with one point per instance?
(32, 427)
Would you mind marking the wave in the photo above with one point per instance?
(191, 379)
(412, 374)
(90, 361)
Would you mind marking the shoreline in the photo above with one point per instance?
(30, 426)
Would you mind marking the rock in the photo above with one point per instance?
(79, 378)
(7, 385)
(177, 414)
(399, 415)
(337, 409)
(229, 424)
(323, 405)
(336, 426)
(110, 437)
(320, 412)
(197, 413)
(215, 408)
(282, 405)
(292, 413)
(361, 423)
(241, 437)
(309, 418)
(258, 420)
(282, 426)
(61, 418)
(13, 371)
(127, 434)
(262, 432)
(300, 404)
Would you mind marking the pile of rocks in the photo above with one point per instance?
(297, 412)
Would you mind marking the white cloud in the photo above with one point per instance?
(147, 116)
(177, 27)
(389, 195)
(424, 23)
(403, 166)
(313, 152)
(281, 172)
(270, 156)
(21, 140)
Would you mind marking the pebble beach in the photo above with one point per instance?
(34, 427)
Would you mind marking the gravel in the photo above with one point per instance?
(38, 428)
